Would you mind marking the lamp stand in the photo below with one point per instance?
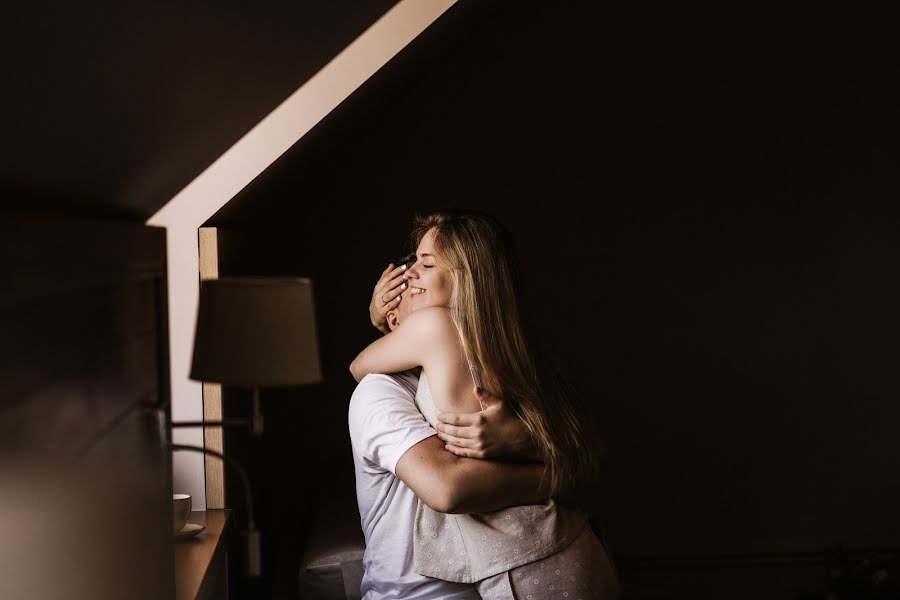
(252, 555)
(254, 422)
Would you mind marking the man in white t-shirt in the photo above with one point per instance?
(397, 457)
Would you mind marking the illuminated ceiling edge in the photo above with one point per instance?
(234, 170)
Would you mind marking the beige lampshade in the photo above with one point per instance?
(256, 331)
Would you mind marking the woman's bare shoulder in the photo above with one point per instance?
(432, 325)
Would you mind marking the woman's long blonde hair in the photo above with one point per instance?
(485, 306)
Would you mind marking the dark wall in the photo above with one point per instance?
(703, 202)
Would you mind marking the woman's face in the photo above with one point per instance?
(429, 284)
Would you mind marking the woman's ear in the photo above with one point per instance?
(393, 320)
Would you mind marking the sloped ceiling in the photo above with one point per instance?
(112, 107)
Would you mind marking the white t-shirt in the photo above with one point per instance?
(384, 424)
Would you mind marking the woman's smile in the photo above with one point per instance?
(425, 270)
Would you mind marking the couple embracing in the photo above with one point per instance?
(465, 511)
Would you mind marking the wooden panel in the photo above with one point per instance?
(213, 439)
(212, 392)
(209, 253)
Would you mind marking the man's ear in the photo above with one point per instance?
(393, 320)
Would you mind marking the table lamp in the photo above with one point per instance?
(256, 332)
(253, 332)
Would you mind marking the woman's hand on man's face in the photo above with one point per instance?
(386, 296)
(495, 432)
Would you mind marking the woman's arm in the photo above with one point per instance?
(413, 344)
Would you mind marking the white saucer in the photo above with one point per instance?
(189, 530)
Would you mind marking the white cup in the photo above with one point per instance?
(181, 508)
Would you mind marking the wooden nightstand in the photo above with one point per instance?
(201, 562)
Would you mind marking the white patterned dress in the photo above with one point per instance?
(533, 552)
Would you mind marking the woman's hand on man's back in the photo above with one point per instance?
(495, 432)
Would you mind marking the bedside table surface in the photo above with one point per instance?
(200, 560)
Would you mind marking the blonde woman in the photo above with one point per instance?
(462, 327)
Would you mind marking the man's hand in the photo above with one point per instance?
(494, 432)
(386, 296)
